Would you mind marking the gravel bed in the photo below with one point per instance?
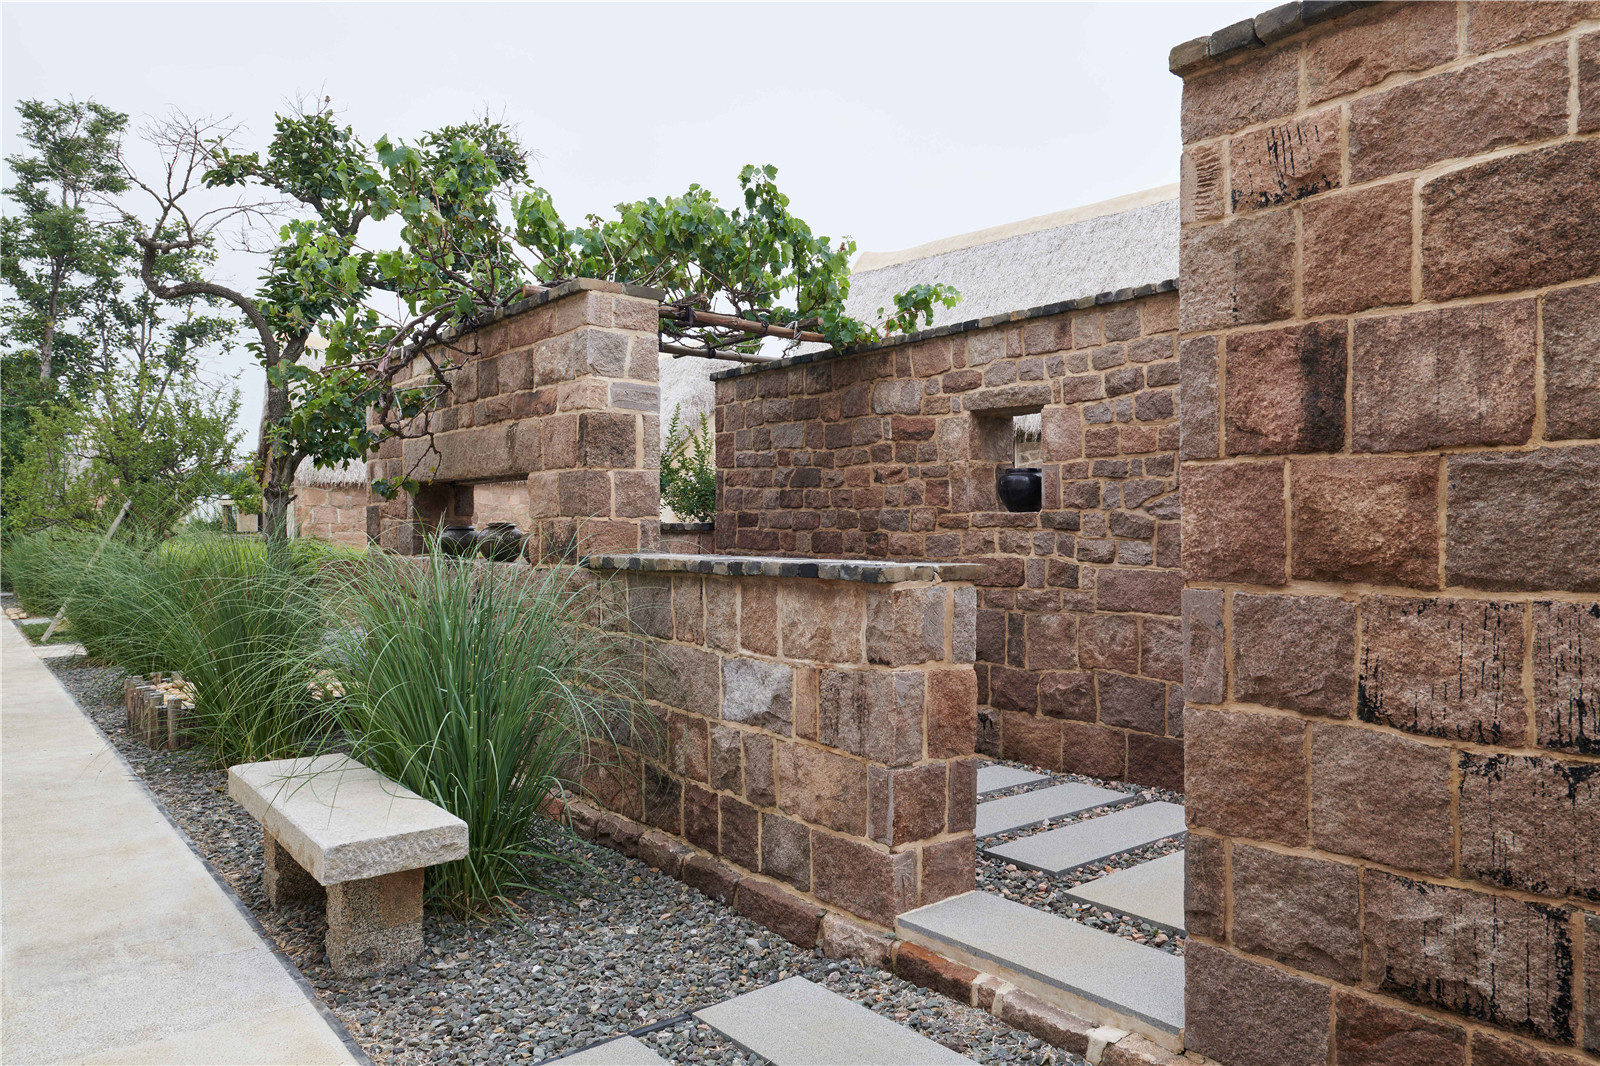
(616, 947)
(1047, 893)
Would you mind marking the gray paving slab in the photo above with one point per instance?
(996, 778)
(1129, 980)
(1042, 804)
(1151, 891)
(1057, 851)
(797, 1023)
(624, 1051)
(58, 651)
(116, 943)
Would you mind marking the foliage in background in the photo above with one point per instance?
(477, 687)
(689, 470)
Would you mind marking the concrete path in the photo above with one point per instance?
(116, 943)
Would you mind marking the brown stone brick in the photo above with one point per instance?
(710, 877)
(1031, 739)
(1161, 648)
(1531, 824)
(1491, 1050)
(1566, 676)
(758, 616)
(844, 939)
(1050, 642)
(1492, 24)
(1357, 250)
(1205, 893)
(1135, 1050)
(1525, 520)
(1153, 760)
(922, 967)
(1295, 652)
(1245, 774)
(1061, 431)
(1360, 50)
(1367, 519)
(1373, 1033)
(686, 736)
(779, 910)
(1589, 83)
(1284, 162)
(1512, 223)
(760, 779)
(663, 799)
(822, 621)
(683, 677)
(1502, 101)
(741, 833)
(1109, 642)
(786, 851)
(1014, 690)
(1242, 271)
(1200, 183)
(660, 852)
(949, 868)
(1378, 796)
(1462, 375)
(963, 795)
(1197, 414)
(908, 804)
(700, 817)
(1591, 982)
(1068, 694)
(1022, 1010)
(1443, 668)
(726, 764)
(952, 712)
(1285, 390)
(1572, 362)
(905, 625)
(1233, 523)
(1264, 86)
(1244, 1013)
(864, 880)
(1203, 640)
(1302, 912)
(873, 713)
(1489, 958)
(1132, 702)
(1144, 591)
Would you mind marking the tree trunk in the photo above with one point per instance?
(276, 498)
(278, 468)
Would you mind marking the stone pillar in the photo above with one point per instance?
(559, 394)
(284, 880)
(375, 924)
(1390, 379)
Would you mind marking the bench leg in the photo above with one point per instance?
(284, 879)
(375, 925)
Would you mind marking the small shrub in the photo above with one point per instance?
(689, 471)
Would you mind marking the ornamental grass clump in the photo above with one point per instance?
(479, 687)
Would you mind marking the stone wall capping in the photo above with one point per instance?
(570, 287)
(1266, 28)
(1082, 303)
(866, 571)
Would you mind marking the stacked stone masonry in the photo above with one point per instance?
(560, 394)
(1390, 447)
(893, 453)
(336, 513)
(816, 732)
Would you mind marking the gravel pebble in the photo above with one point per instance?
(614, 947)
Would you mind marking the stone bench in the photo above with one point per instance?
(335, 828)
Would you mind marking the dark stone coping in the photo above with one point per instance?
(868, 571)
(1060, 308)
(567, 288)
(688, 527)
(1266, 28)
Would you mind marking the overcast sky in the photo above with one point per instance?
(895, 124)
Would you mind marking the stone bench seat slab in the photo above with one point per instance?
(341, 821)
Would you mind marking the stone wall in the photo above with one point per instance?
(1390, 451)
(813, 725)
(559, 393)
(336, 513)
(894, 452)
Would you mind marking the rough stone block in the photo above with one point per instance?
(1566, 676)
(1571, 322)
(1205, 891)
(1357, 250)
(1030, 739)
(1198, 409)
(283, 879)
(1286, 161)
(700, 821)
(760, 779)
(864, 880)
(1591, 982)
(952, 712)
(877, 714)
(1025, 1011)
(822, 621)
(660, 852)
(741, 833)
(1531, 824)
(1589, 83)
(758, 616)
(908, 804)
(1382, 797)
(1524, 520)
(1302, 912)
(1205, 660)
(375, 924)
(777, 909)
(758, 693)
(1501, 961)
(1443, 668)
(1373, 1033)
(1493, 25)
(1132, 702)
(1247, 1014)
(1430, 379)
(1234, 523)
(925, 969)
(843, 939)
(710, 877)
(1142, 590)
(1092, 750)
(1154, 760)
(1109, 642)
(1366, 519)
(1363, 49)
(826, 789)
(1161, 648)
(1264, 86)
(1068, 694)
(686, 746)
(1295, 652)
(1245, 774)
(683, 677)
(1242, 271)
(949, 868)
(1491, 1050)
(1285, 390)
(905, 626)
(786, 851)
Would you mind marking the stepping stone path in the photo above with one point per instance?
(997, 778)
(1151, 892)
(623, 1051)
(1041, 805)
(1058, 851)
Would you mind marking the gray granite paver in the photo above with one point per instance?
(624, 1051)
(1151, 891)
(995, 778)
(1057, 851)
(1041, 805)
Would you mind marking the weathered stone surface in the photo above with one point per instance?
(1432, 379)
(726, 764)
(758, 693)
(1233, 523)
(760, 779)
(908, 804)
(1491, 1050)
(1135, 1050)
(786, 851)
(710, 877)
(873, 713)
(1525, 520)
(826, 789)
(686, 746)
(1068, 694)
(1512, 223)
(1284, 162)
(700, 820)
(1030, 739)
(1265, 86)
(375, 923)
(1205, 656)
(683, 677)
(1502, 101)
(741, 833)
(952, 712)
(864, 880)
(1361, 50)
(1379, 796)
(784, 913)
(1243, 272)
(1198, 407)
(1025, 1011)
(1531, 824)
(1295, 652)
(1571, 323)
(1591, 983)
(843, 939)
(1248, 1014)
(949, 868)
(1566, 676)
(660, 852)
(1357, 250)
(1286, 390)
(905, 625)
(1205, 886)
(1091, 750)
(1368, 519)
(1245, 774)
(1493, 25)
(1443, 668)
(1489, 958)
(1589, 83)
(1155, 760)
(1145, 591)
(1132, 702)
(922, 967)
(1303, 912)
(1200, 183)
(1370, 1033)
(822, 621)
(1161, 648)
(758, 616)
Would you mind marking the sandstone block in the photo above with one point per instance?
(1161, 648)
(726, 765)
(1363, 49)
(1153, 760)
(663, 799)
(1591, 983)
(1233, 523)
(1068, 694)
(843, 939)
(1198, 404)
(1109, 642)
(908, 804)
(1245, 774)
(760, 776)
(786, 851)
(700, 821)
(1285, 390)
(1491, 25)
(825, 789)
(1141, 590)
(660, 852)
(1025, 1011)
(1531, 824)
(1302, 912)
(1367, 519)
(758, 693)
(923, 968)
(758, 616)
(1295, 652)
(1566, 676)
(1286, 161)
(1265, 86)
(1361, 780)
(1525, 520)
(1030, 739)
(1491, 1050)
(864, 880)
(741, 833)
(710, 878)
(1572, 361)
(1357, 250)
(873, 713)
(1373, 1033)
(777, 909)
(683, 677)
(952, 712)
(686, 746)
(1243, 272)
(949, 868)
(1205, 892)
(1132, 702)
(1200, 183)
(1247, 1014)
(1205, 659)
(905, 626)
(962, 799)
(1589, 83)
(822, 621)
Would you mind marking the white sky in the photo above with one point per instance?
(895, 124)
